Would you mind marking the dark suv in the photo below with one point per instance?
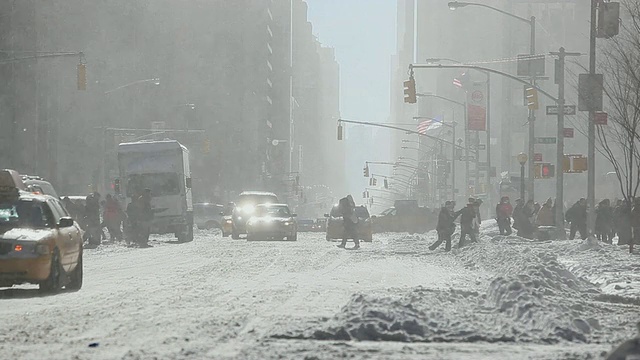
(244, 208)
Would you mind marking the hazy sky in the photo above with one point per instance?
(363, 34)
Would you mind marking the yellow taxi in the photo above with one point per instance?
(39, 241)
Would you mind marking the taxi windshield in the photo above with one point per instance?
(22, 214)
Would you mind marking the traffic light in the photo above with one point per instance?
(116, 186)
(82, 77)
(366, 171)
(608, 19)
(548, 171)
(375, 182)
(537, 171)
(370, 181)
(531, 96)
(339, 131)
(580, 164)
(566, 164)
(386, 184)
(410, 90)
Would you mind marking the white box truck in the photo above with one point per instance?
(162, 167)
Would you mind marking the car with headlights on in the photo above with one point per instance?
(40, 243)
(244, 208)
(272, 221)
(335, 224)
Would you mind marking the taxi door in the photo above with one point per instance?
(68, 237)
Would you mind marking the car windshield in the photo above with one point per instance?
(256, 199)
(20, 213)
(159, 183)
(277, 211)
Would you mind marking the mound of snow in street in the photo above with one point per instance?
(531, 296)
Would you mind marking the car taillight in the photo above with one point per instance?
(17, 248)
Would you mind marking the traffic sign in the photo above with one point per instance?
(601, 118)
(568, 132)
(482, 147)
(568, 110)
(545, 140)
(465, 158)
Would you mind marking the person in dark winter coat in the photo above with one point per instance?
(604, 221)
(92, 218)
(622, 222)
(504, 210)
(546, 214)
(525, 221)
(446, 226)
(517, 213)
(350, 220)
(577, 216)
(468, 217)
(635, 224)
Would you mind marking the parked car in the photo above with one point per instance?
(245, 207)
(40, 242)
(38, 185)
(272, 221)
(306, 225)
(335, 224)
(208, 216)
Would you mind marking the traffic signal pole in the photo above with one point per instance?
(591, 152)
(559, 215)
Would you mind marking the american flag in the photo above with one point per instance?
(459, 82)
(427, 125)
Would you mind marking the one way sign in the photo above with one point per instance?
(568, 110)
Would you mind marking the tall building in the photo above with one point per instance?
(224, 67)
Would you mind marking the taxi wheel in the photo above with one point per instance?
(293, 237)
(75, 282)
(52, 284)
(234, 234)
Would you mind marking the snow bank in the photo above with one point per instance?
(530, 297)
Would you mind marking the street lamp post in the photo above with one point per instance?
(453, 5)
(522, 159)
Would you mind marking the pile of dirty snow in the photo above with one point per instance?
(531, 297)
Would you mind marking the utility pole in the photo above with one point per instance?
(488, 133)
(559, 216)
(532, 114)
(591, 154)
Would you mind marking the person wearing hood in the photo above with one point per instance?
(545, 214)
(446, 226)
(525, 221)
(504, 210)
(622, 222)
(350, 220)
(517, 213)
(604, 221)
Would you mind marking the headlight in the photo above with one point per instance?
(287, 223)
(42, 249)
(228, 221)
(248, 209)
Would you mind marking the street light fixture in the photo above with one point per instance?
(522, 159)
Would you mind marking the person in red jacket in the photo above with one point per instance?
(504, 210)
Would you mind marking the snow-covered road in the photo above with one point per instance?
(217, 298)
